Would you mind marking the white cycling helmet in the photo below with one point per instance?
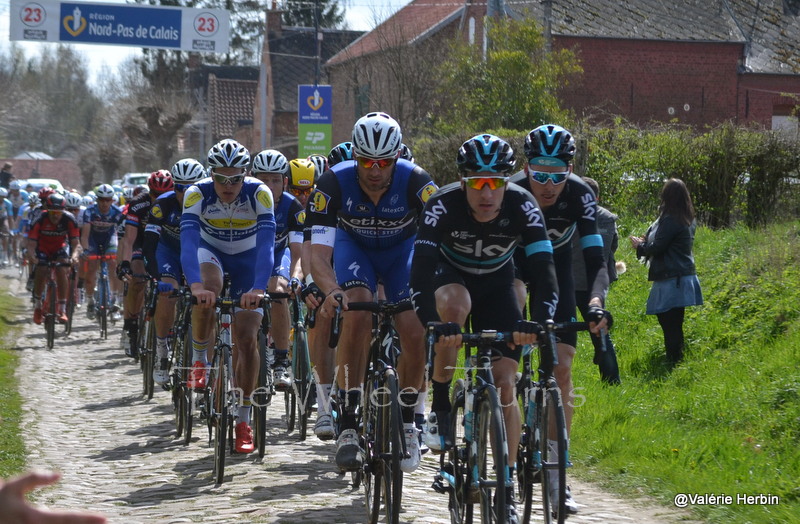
(377, 135)
(14, 184)
(228, 153)
(3, 192)
(88, 201)
(104, 191)
(270, 161)
(188, 171)
(74, 200)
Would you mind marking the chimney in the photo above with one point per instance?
(274, 20)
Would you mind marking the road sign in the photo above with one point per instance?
(314, 119)
(178, 28)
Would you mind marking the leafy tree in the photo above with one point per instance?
(513, 86)
(301, 13)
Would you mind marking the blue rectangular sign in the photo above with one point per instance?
(314, 104)
(111, 24)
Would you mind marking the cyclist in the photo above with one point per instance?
(466, 241)
(228, 226)
(364, 216)
(18, 198)
(130, 259)
(569, 208)
(271, 167)
(6, 225)
(99, 237)
(54, 236)
(162, 252)
(405, 152)
(323, 357)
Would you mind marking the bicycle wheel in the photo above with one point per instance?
(551, 415)
(289, 406)
(372, 473)
(490, 457)
(392, 429)
(73, 290)
(102, 309)
(453, 464)
(148, 356)
(301, 375)
(219, 418)
(176, 388)
(528, 458)
(50, 314)
(260, 404)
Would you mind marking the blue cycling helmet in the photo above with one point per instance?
(551, 141)
(485, 154)
(340, 153)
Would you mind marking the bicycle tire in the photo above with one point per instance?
(528, 458)
(289, 406)
(102, 314)
(220, 419)
(552, 408)
(260, 403)
(189, 396)
(372, 473)
(177, 379)
(148, 357)
(492, 469)
(301, 375)
(50, 315)
(454, 467)
(70, 303)
(393, 475)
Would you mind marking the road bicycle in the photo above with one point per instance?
(382, 437)
(184, 399)
(302, 376)
(475, 469)
(220, 396)
(102, 294)
(542, 419)
(265, 386)
(147, 338)
(72, 298)
(50, 300)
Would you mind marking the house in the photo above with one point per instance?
(693, 61)
(33, 164)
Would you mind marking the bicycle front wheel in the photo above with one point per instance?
(301, 374)
(148, 356)
(50, 316)
(491, 458)
(454, 466)
(260, 401)
(554, 461)
(220, 418)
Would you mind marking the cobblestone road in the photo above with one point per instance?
(84, 416)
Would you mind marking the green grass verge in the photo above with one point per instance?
(12, 450)
(727, 420)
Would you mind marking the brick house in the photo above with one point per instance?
(693, 61)
(39, 165)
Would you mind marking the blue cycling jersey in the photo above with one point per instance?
(246, 226)
(289, 219)
(102, 226)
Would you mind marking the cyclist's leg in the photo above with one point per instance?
(203, 318)
(323, 358)
(279, 325)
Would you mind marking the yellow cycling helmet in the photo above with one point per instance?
(301, 173)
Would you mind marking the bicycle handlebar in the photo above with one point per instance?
(101, 257)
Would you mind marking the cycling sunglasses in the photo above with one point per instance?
(184, 187)
(300, 191)
(542, 177)
(492, 182)
(368, 163)
(227, 179)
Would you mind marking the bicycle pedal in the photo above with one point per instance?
(440, 485)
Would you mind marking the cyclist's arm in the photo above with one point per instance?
(149, 245)
(591, 243)
(86, 230)
(190, 239)
(265, 238)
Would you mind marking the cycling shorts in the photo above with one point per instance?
(356, 266)
(169, 262)
(241, 267)
(494, 303)
(565, 310)
(61, 254)
(283, 264)
(101, 249)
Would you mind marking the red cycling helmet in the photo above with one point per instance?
(160, 181)
(45, 192)
(55, 202)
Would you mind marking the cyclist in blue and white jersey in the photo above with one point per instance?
(364, 216)
(99, 237)
(228, 226)
(18, 198)
(162, 253)
(271, 167)
(570, 208)
(6, 225)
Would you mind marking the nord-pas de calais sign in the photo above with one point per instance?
(178, 28)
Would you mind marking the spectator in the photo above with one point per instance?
(605, 358)
(14, 507)
(667, 248)
(5, 175)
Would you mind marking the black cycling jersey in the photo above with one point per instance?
(574, 211)
(448, 233)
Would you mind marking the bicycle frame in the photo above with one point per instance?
(102, 292)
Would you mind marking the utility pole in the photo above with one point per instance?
(548, 25)
(318, 35)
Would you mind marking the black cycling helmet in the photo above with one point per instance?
(405, 152)
(485, 154)
(550, 140)
(340, 153)
(55, 202)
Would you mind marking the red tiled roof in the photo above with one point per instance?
(410, 22)
(230, 101)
